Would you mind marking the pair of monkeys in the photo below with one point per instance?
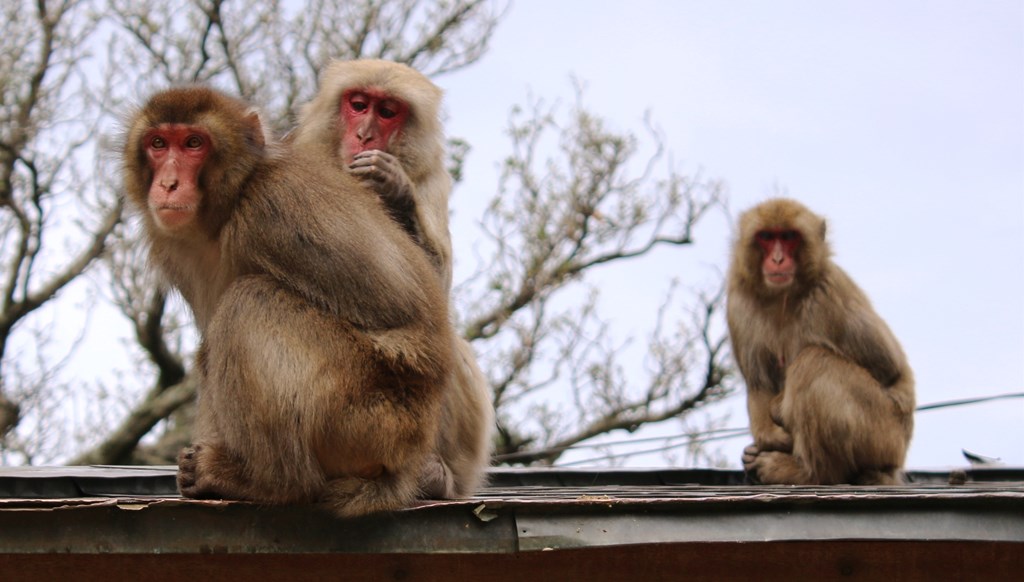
(318, 270)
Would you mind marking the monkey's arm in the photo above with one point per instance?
(768, 434)
(764, 380)
(421, 209)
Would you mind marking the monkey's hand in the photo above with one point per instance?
(776, 438)
(750, 453)
(384, 173)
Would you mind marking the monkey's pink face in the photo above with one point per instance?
(779, 264)
(176, 153)
(371, 119)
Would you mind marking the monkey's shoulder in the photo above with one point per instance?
(318, 232)
(839, 305)
(845, 322)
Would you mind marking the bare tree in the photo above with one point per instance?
(575, 199)
(556, 219)
(54, 218)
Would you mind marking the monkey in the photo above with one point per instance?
(830, 394)
(325, 341)
(380, 121)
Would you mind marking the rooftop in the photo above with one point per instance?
(594, 523)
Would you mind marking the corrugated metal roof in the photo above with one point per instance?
(136, 510)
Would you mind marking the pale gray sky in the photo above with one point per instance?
(900, 121)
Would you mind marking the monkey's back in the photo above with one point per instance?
(324, 236)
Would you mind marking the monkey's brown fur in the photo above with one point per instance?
(419, 147)
(829, 391)
(325, 334)
(465, 440)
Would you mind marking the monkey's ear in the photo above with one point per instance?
(824, 227)
(256, 133)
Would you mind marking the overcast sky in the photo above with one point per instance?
(902, 122)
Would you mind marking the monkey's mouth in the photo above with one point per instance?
(778, 279)
(173, 215)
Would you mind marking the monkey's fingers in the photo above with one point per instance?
(374, 155)
(750, 453)
(383, 160)
(388, 168)
(384, 163)
(368, 172)
(366, 163)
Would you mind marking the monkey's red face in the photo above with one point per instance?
(779, 264)
(176, 153)
(371, 120)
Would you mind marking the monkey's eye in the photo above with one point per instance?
(389, 109)
(358, 103)
(789, 235)
(193, 142)
(157, 143)
(765, 236)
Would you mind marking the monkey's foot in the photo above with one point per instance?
(187, 465)
(778, 468)
(196, 479)
(189, 482)
(354, 496)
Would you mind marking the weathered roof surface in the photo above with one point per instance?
(655, 515)
(527, 509)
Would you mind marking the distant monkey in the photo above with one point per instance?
(381, 121)
(829, 391)
(326, 342)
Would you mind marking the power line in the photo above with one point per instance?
(707, 436)
(699, 435)
(667, 447)
(965, 401)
